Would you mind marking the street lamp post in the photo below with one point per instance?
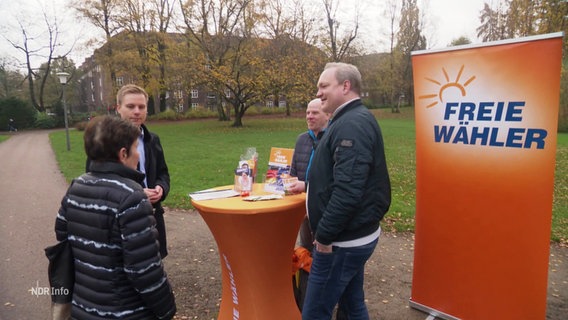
(63, 76)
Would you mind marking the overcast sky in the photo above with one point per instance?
(445, 21)
(452, 19)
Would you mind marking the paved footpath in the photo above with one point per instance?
(31, 187)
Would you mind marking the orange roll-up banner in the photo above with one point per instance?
(486, 121)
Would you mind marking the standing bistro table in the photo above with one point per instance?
(256, 242)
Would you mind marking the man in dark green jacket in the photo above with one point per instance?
(349, 192)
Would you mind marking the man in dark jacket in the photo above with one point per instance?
(349, 192)
(306, 143)
(132, 105)
(303, 154)
(108, 221)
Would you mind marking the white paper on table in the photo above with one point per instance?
(211, 194)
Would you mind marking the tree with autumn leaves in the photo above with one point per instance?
(247, 61)
(244, 52)
(520, 18)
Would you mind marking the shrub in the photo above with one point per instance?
(23, 113)
(369, 104)
(169, 114)
(45, 121)
(265, 110)
(79, 117)
(200, 113)
(81, 125)
(253, 111)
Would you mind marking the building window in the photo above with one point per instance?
(180, 108)
(269, 103)
(282, 103)
(227, 93)
(194, 105)
(119, 81)
(194, 94)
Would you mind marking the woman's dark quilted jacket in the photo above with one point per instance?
(118, 270)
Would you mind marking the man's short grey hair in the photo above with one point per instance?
(349, 72)
(313, 102)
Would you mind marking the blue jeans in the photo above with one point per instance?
(337, 277)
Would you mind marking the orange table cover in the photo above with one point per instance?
(256, 242)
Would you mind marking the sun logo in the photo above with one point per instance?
(443, 87)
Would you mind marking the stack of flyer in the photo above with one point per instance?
(278, 171)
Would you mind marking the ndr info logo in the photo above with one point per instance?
(486, 123)
(48, 291)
